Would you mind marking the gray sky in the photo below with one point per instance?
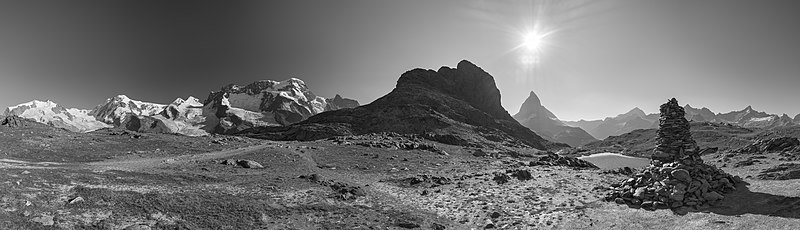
(598, 59)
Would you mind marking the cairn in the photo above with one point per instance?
(676, 178)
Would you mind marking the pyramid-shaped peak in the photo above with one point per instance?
(636, 111)
(533, 99)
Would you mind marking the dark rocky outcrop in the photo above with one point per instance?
(459, 106)
(677, 178)
(786, 171)
(780, 144)
(15, 121)
(556, 160)
(536, 117)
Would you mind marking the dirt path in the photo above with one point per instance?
(9, 163)
(154, 162)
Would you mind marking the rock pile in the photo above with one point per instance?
(343, 190)
(677, 178)
(243, 163)
(556, 160)
(388, 140)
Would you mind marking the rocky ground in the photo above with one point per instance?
(362, 182)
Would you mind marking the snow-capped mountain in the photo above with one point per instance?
(48, 112)
(265, 103)
(115, 109)
(181, 116)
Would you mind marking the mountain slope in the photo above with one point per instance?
(266, 103)
(117, 108)
(181, 117)
(76, 120)
(458, 106)
(539, 119)
(623, 123)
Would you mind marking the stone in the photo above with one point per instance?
(138, 227)
(249, 164)
(681, 211)
(647, 205)
(522, 175)
(495, 215)
(619, 200)
(76, 200)
(501, 178)
(639, 192)
(45, 220)
(713, 196)
(681, 174)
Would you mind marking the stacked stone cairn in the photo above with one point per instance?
(676, 178)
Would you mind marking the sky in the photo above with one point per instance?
(590, 59)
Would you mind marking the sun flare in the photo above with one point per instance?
(533, 41)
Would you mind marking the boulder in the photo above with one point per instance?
(249, 164)
(681, 174)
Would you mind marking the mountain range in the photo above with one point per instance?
(459, 106)
(637, 119)
(232, 109)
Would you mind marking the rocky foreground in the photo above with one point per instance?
(378, 181)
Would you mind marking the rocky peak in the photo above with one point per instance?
(532, 107)
(467, 82)
(797, 118)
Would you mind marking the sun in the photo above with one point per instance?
(533, 41)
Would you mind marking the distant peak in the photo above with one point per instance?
(293, 79)
(121, 97)
(748, 108)
(533, 100)
(636, 110)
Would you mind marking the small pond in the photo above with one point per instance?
(614, 160)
